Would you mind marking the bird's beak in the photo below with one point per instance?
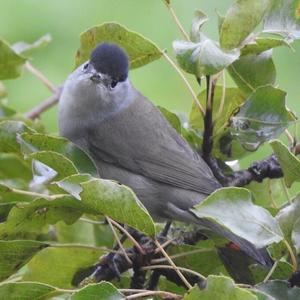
(96, 77)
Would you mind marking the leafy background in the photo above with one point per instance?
(65, 20)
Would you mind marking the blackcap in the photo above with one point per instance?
(130, 141)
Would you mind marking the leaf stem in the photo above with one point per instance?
(194, 96)
(118, 240)
(292, 255)
(130, 237)
(33, 194)
(173, 266)
(270, 273)
(39, 75)
(175, 18)
(146, 293)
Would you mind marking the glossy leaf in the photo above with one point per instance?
(279, 290)
(118, 202)
(261, 44)
(284, 19)
(56, 161)
(31, 217)
(40, 142)
(72, 183)
(101, 291)
(262, 117)
(289, 163)
(10, 62)
(219, 287)
(204, 57)
(241, 19)
(200, 19)
(15, 254)
(233, 209)
(288, 216)
(253, 71)
(61, 264)
(140, 50)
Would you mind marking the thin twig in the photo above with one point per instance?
(270, 273)
(165, 254)
(39, 75)
(222, 102)
(194, 96)
(130, 237)
(153, 293)
(163, 259)
(43, 106)
(292, 255)
(165, 244)
(154, 267)
(118, 240)
(175, 18)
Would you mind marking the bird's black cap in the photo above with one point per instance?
(110, 59)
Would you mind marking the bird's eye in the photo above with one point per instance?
(113, 83)
(85, 66)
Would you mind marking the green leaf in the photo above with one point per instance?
(118, 202)
(7, 195)
(233, 98)
(140, 50)
(27, 291)
(172, 118)
(31, 217)
(101, 291)
(25, 49)
(9, 130)
(41, 142)
(56, 161)
(289, 163)
(240, 20)
(72, 185)
(269, 193)
(204, 57)
(284, 19)
(199, 20)
(288, 216)
(282, 271)
(279, 290)
(261, 44)
(15, 254)
(202, 258)
(233, 209)
(57, 266)
(6, 112)
(10, 62)
(13, 167)
(253, 71)
(221, 288)
(262, 117)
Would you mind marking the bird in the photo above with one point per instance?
(131, 142)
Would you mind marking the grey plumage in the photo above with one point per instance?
(131, 141)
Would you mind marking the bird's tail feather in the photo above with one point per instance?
(260, 255)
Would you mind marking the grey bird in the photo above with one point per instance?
(130, 141)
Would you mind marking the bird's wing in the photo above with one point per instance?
(141, 140)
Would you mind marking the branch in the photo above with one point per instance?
(43, 106)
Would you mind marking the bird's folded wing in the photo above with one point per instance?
(166, 166)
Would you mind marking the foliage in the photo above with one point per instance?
(53, 204)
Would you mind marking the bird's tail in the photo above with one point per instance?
(260, 255)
